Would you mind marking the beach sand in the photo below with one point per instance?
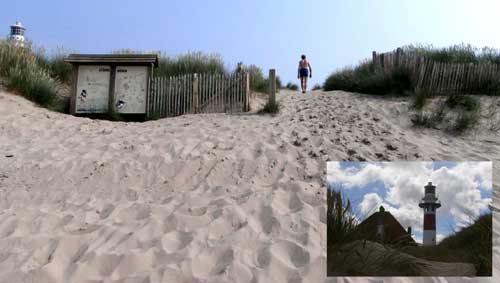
(196, 198)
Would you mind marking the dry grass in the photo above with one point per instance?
(22, 73)
(455, 114)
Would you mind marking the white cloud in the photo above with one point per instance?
(370, 204)
(408, 216)
(439, 238)
(418, 238)
(458, 188)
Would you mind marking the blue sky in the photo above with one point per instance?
(464, 189)
(270, 34)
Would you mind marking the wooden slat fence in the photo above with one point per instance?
(198, 93)
(442, 77)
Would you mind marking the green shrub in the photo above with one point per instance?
(476, 240)
(270, 108)
(420, 98)
(456, 114)
(24, 74)
(465, 121)
(257, 81)
(365, 79)
(423, 119)
(466, 102)
(54, 63)
(342, 80)
(278, 82)
(316, 87)
(292, 86)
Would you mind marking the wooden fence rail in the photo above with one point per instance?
(198, 93)
(442, 77)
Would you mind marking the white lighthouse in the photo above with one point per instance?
(16, 36)
(430, 204)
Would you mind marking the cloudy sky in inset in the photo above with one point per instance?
(464, 189)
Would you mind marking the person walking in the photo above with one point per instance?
(304, 71)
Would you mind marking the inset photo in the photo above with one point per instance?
(409, 219)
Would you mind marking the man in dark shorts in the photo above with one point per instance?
(304, 71)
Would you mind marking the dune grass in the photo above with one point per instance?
(365, 79)
(188, 63)
(195, 62)
(458, 53)
(23, 73)
(317, 87)
(341, 222)
(455, 114)
(199, 62)
(270, 108)
(341, 227)
(292, 86)
(54, 63)
(259, 82)
(472, 244)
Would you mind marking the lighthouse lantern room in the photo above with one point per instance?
(17, 34)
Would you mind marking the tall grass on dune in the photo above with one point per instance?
(341, 227)
(195, 62)
(476, 241)
(188, 63)
(259, 82)
(472, 244)
(364, 79)
(54, 63)
(317, 87)
(292, 86)
(456, 113)
(458, 53)
(199, 62)
(341, 222)
(23, 73)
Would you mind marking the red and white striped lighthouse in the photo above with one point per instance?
(429, 203)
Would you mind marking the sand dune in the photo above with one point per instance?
(374, 258)
(197, 198)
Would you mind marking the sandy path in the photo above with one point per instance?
(197, 198)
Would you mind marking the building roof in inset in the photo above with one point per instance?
(393, 231)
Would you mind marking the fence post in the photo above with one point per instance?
(247, 90)
(195, 108)
(399, 51)
(382, 63)
(272, 86)
(374, 60)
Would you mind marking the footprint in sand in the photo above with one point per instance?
(8, 228)
(212, 262)
(175, 241)
(105, 210)
(192, 211)
(79, 229)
